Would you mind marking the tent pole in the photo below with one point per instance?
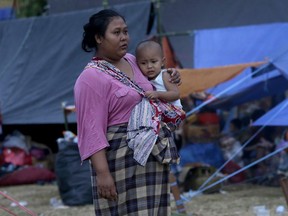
(157, 5)
(160, 32)
(191, 33)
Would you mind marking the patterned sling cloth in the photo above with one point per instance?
(141, 190)
(143, 133)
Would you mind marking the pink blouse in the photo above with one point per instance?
(102, 101)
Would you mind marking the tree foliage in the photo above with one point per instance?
(29, 8)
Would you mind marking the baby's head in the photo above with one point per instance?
(150, 58)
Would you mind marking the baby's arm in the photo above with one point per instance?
(170, 95)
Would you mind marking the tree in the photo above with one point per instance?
(29, 8)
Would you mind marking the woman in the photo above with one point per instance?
(103, 104)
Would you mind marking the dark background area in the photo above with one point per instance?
(42, 133)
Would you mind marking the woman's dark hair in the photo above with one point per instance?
(97, 25)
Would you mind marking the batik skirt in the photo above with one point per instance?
(142, 190)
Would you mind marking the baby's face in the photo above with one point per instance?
(150, 61)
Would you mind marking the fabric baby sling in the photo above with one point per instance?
(147, 135)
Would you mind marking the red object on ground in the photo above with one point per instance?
(16, 156)
(27, 175)
(232, 167)
(208, 118)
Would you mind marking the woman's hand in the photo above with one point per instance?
(175, 76)
(106, 186)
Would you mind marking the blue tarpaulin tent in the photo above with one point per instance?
(41, 57)
(245, 44)
(277, 116)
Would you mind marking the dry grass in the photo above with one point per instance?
(237, 200)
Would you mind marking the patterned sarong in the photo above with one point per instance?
(141, 190)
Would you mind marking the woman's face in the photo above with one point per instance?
(114, 45)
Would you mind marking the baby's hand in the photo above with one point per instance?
(151, 95)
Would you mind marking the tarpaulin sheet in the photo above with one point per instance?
(244, 44)
(277, 116)
(196, 80)
(41, 57)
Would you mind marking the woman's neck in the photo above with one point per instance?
(121, 64)
(109, 59)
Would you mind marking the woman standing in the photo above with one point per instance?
(104, 102)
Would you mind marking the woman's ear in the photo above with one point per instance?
(98, 39)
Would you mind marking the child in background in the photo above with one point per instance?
(150, 60)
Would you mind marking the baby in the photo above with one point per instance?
(150, 60)
(162, 110)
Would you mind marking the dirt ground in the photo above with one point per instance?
(233, 200)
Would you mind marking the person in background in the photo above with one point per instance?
(283, 161)
(235, 128)
(104, 102)
(232, 149)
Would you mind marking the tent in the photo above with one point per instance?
(197, 80)
(33, 87)
(254, 43)
(6, 10)
(183, 17)
(182, 9)
(41, 57)
(179, 19)
(277, 116)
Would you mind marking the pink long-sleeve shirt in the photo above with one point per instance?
(102, 101)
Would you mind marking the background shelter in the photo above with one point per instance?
(277, 116)
(179, 19)
(254, 43)
(18, 52)
(183, 22)
(40, 59)
(201, 79)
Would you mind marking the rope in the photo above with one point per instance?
(242, 169)
(7, 210)
(17, 203)
(243, 146)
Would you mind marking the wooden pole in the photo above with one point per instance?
(157, 4)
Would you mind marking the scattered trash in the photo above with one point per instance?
(187, 196)
(57, 203)
(22, 203)
(280, 210)
(261, 210)
(68, 137)
(223, 192)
